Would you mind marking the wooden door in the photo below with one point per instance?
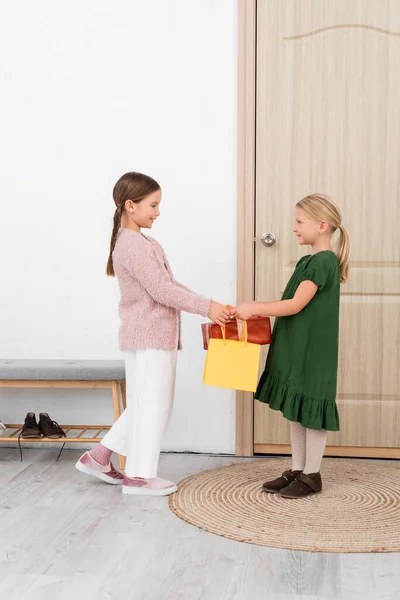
(328, 120)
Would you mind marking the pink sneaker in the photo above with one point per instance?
(87, 464)
(148, 487)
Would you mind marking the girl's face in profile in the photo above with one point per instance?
(144, 213)
(306, 230)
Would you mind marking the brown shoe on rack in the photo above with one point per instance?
(302, 486)
(50, 428)
(276, 485)
(30, 428)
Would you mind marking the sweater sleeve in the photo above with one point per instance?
(184, 287)
(143, 263)
(180, 285)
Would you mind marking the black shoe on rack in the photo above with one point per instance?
(50, 428)
(31, 428)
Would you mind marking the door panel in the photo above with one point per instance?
(328, 120)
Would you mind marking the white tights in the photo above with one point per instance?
(308, 447)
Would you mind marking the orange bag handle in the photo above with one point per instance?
(242, 331)
(241, 327)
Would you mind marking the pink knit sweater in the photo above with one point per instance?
(151, 299)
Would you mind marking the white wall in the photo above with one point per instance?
(90, 90)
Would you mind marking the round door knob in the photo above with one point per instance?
(268, 239)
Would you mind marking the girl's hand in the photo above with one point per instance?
(219, 313)
(244, 311)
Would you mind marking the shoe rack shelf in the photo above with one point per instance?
(80, 431)
(75, 433)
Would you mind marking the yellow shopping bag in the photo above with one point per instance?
(232, 364)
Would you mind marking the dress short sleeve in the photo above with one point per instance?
(319, 268)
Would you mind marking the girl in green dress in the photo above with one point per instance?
(301, 369)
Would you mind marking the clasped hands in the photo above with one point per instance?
(221, 314)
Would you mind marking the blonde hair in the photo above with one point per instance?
(320, 207)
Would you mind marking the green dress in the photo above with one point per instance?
(301, 370)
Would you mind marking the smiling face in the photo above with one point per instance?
(307, 230)
(144, 213)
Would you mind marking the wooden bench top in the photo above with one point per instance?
(71, 370)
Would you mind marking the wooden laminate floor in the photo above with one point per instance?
(65, 536)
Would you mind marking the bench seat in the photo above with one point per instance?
(73, 374)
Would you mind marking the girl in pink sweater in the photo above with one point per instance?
(150, 335)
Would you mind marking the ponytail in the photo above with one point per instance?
(117, 224)
(320, 207)
(343, 253)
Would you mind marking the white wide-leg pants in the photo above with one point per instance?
(150, 386)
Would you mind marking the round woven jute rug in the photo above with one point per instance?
(357, 511)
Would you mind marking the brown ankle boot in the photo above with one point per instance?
(50, 428)
(281, 482)
(30, 428)
(303, 485)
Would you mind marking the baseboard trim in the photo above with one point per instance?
(348, 451)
